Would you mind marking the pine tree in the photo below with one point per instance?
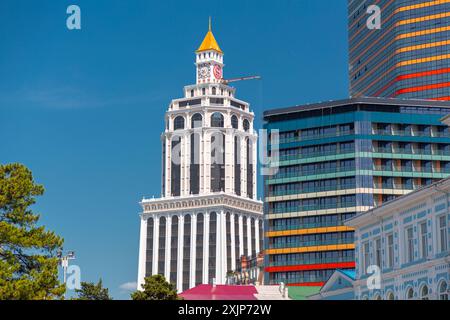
(28, 260)
(91, 291)
(156, 288)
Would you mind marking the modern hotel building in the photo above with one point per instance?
(408, 57)
(208, 216)
(338, 159)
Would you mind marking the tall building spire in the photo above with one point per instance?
(209, 42)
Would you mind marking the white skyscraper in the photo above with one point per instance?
(208, 215)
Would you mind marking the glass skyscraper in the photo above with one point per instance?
(408, 57)
(337, 159)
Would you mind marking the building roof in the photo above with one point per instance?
(351, 273)
(302, 292)
(209, 42)
(362, 100)
(220, 292)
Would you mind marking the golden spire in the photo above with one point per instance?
(209, 43)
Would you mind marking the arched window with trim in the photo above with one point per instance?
(424, 291)
(214, 91)
(390, 296)
(217, 120)
(249, 168)
(234, 122)
(212, 246)
(174, 251)
(443, 290)
(246, 125)
(178, 123)
(237, 165)
(162, 245)
(410, 294)
(196, 121)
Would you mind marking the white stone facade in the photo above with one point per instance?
(208, 215)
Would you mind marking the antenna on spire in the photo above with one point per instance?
(210, 24)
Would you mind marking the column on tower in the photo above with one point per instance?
(257, 236)
(244, 166)
(249, 236)
(142, 251)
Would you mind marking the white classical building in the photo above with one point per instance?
(208, 215)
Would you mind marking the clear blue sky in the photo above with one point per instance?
(84, 109)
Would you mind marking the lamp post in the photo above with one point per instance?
(64, 260)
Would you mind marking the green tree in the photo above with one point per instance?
(91, 291)
(28, 261)
(156, 288)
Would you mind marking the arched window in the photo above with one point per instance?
(203, 91)
(217, 162)
(443, 293)
(410, 293)
(377, 297)
(178, 123)
(196, 121)
(246, 125)
(234, 122)
(424, 293)
(194, 167)
(217, 120)
(214, 91)
(390, 296)
(192, 93)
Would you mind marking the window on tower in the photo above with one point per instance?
(192, 93)
(246, 125)
(234, 122)
(217, 120)
(214, 91)
(178, 123)
(196, 121)
(203, 91)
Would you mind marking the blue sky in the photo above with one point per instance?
(84, 109)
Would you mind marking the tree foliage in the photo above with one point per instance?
(156, 288)
(91, 291)
(28, 261)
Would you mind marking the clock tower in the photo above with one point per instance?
(208, 215)
(209, 60)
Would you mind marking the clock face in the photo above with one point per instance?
(217, 72)
(204, 71)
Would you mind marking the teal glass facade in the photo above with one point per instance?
(338, 159)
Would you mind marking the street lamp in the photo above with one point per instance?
(64, 260)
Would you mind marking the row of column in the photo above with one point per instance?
(222, 254)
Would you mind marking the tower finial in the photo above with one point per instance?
(210, 24)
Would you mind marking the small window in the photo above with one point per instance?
(234, 122)
(196, 121)
(246, 125)
(410, 294)
(214, 91)
(217, 120)
(424, 293)
(178, 123)
(203, 91)
(443, 291)
(192, 93)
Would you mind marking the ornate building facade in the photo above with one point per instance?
(208, 215)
